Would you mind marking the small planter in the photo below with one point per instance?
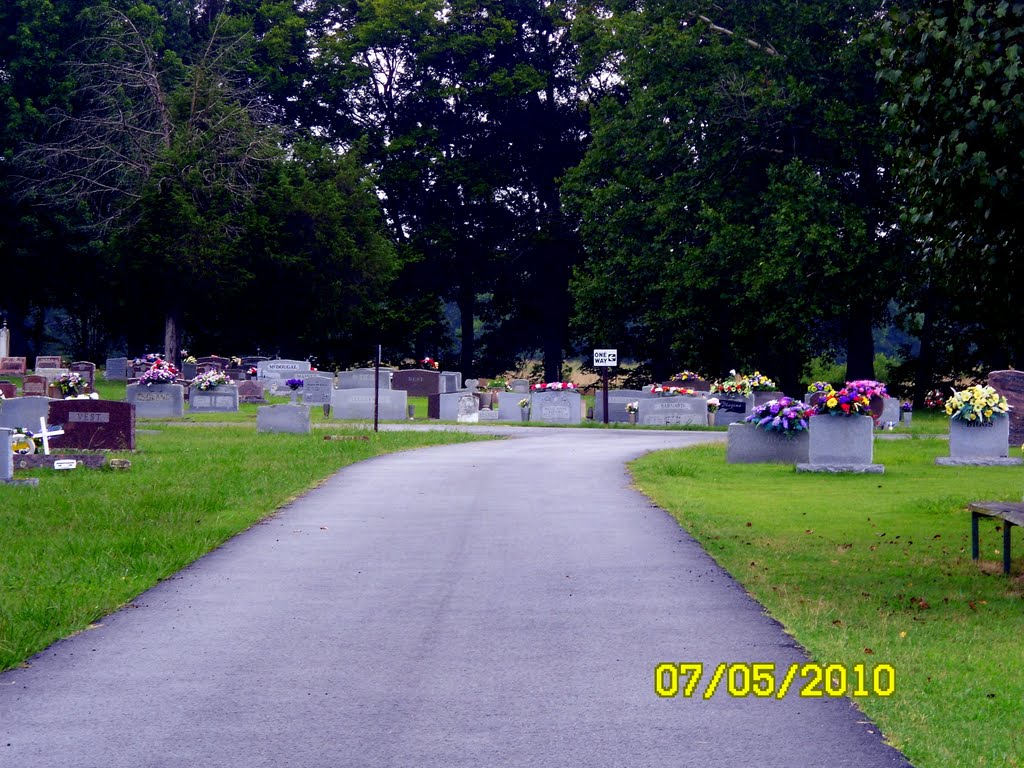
(981, 445)
(524, 414)
(906, 417)
(751, 445)
(841, 444)
(711, 419)
(631, 418)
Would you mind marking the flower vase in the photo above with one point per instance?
(632, 418)
(524, 414)
(907, 416)
(711, 418)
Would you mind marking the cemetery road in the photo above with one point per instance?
(490, 604)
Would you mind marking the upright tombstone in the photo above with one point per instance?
(451, 381)
(520, 386)
(13, 366)
(274, 373)
(86, 370)
(6, 455)
(358, 404)
(556, 406)
(732, 408)
(157, 401)
(220, 399)
(251, 392)
(212, 363)
(21, 412)
(317, 389)
(508, 406)
(48, 362)
(617, 399)
(94, 424)
(469, 409)
(34, 386)
(1010, 384)
(8, 389)
(417, 382)
(890, 413)
(284, 418)
(5, 341)
(673, 410)
(116, 369)
(362, 378)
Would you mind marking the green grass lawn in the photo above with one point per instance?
(877, 569)
(85, 542)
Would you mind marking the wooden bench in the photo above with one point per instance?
(1012, 513)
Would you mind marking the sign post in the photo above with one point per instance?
(376, 390)
(606, 358)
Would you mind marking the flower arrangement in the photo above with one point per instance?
(977, 406)
(524, 403)
(70, 382)
(687, 376)
(252, 371)
(210, 380)
(785, 415)
(744, 385)
(843, 402)
(553, 386)
(191, 360)
(236, 362)
(162, 372)
(868, 388)
(907, 406)
(430, 363)
(657, 389)
(819, 386)
(500, 383)
(935, 400)
(294, 384)
(633, 407)
(713, 404)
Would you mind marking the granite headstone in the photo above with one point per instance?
(86, 370)
(673, 410)
(1010, 384)
(34, 386)
(417, 382)
(358, 404)
(556, 407)
(94, 424)
(116, 369)
(362, 378)
(14, 366)
(21, 412)
(157, 401)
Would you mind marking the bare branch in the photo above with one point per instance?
(766, 47)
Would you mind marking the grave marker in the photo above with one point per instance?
(116, 369)
(158, 401)
(1010, 384)
(14, 366)
(556, 407)
(358, 404)
(362, 378)
(251, 392)
(283, 418)
(677, 409)
(94, 424)
(220, 399)
(86, 370)
(23, 411)
(469, 409)
(417, 382)
(49, 361)
(34, 386)
(5, 341)
(316, 390)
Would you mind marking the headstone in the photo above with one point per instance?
(1010, 384)
(556, 407)
(94, 424)
(189, 370)
(5, 341)
(251, 392)
(86, 370)
(469, 409)
(677, 409)
(283, 418)
(157, 401)
(508, 405)
(14, 366)
(751, 445)
(358, 404)
(316, 390)
(50, 374)
(252, 361)
(219, 399)
(890, 412)
(417, 382)
(979, 446)
(48, 361)
(213, 362)
(451, 381)
(732, 409)
(617, 399)
(282, 370)
(34, 386)
(841, 444)
(8, 389)
(520, 386)
(362, 378)
(21, 412)
(6, 456)
(116, 369)
(472, 384)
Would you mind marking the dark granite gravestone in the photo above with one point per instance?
(8, 389)
(87, 371)
(34, 386)
(116, 369)
(212, 362)
(15, 366)
(1010, 384)
(251, 392)
(94, 424)
(417, 382)
(48, 361)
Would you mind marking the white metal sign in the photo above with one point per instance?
(606, 358)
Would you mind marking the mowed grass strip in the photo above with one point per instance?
(877, 569)
(85, 542)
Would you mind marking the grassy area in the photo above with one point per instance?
(872, 569)
(86, 542)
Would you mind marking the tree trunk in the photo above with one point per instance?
(467, 307)
(172, 338)
(860, 343)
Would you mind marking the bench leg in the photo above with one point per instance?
(974, 535)
(1007, 525)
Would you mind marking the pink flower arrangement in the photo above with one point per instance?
(553, 386)
(429, 362)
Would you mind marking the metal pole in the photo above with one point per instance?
(606, 394)
(376, 389)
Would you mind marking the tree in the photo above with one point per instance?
(956, 105)
(733, 203)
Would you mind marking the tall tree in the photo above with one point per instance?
(734, 201)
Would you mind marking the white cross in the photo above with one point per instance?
(46, 434)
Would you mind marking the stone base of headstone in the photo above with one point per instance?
(856, 469)
(750, 445)
(41, 461)
(979, 461)
(284, 418)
